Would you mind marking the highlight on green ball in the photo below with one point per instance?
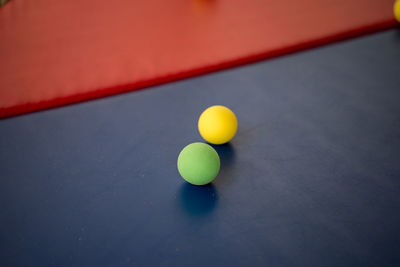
(198, 163)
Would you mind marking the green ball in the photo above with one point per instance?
(198, 163)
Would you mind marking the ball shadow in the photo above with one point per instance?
(397, 33)
(226, 154)
(197, 200)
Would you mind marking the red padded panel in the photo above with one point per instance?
(59, 52)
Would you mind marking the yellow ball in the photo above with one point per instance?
(217, 125)
(396, 10)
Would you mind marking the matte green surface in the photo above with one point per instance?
(198, 163)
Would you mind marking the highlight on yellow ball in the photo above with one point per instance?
(396, 10)
(217, 125)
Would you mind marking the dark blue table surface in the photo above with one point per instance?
(311, 179)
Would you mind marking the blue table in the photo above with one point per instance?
(311, 179)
